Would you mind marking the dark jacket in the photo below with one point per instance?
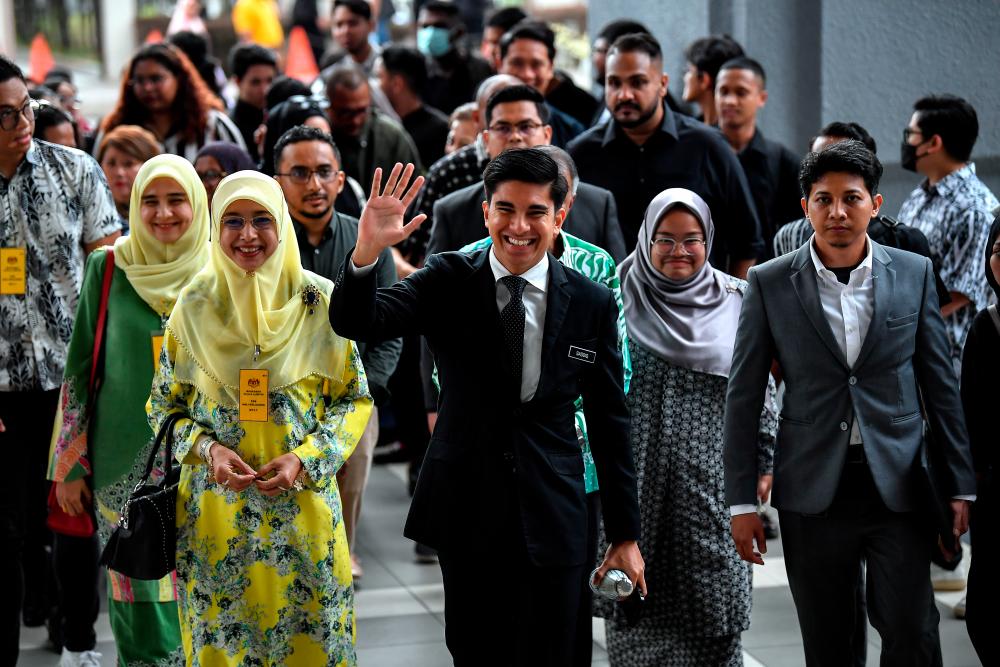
(339, 239)
(382, 143)
(458, 220)
(486, 438)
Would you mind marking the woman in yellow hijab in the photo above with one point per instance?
(102, 441)
(273, 402)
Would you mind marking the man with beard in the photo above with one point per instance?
(307, 166)
(647, 148)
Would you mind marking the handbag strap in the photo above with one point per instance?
(102, 318)
(166, 433)
(994, 315)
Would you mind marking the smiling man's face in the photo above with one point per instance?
(522, 221)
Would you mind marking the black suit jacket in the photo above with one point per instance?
(458, 220)
(483, 427)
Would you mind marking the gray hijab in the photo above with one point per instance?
(691, 323)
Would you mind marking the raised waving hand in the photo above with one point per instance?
(381, 224)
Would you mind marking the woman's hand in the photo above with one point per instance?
(73, 497)
(285, 468)
(229, 469)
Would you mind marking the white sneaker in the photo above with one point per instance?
(80, 659)
(944, 580)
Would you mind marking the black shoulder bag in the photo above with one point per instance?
(144, 544)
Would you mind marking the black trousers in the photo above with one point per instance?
(502, 610)
(76, 564)
(984, 580)
(823, 555)
(584, 648)
(24, 537)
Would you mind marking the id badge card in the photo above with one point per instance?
(13, 271)
(253, 395)
(156, 341)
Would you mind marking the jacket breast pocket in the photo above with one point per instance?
(896, 322)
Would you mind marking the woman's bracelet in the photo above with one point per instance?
(205, 450)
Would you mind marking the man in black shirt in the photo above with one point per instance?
(771, 169)
(646, 148)
(253, 68)
(528, 51)
(402, 75)
(454, 73)
(705, 56)
(307, 166)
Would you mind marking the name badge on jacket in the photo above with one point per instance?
(581, 354)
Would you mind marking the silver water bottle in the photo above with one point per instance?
(615, 585)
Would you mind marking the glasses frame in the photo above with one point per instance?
(524, 128)
(259, 226)
(669, 247)
(32, 106)
(909, 132)
(309, 174)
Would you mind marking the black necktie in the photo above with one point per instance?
(512, 322)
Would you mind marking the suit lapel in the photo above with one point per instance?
(806, 288)
(556, 306)
(884, 279)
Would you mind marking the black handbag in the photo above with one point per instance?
(144, 544)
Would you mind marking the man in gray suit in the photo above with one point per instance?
(458, 217)
(857, 331)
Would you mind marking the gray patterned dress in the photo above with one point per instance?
(699, 589)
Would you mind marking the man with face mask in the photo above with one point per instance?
(952, 207)
(454, 73)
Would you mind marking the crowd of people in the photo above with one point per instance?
(602, 324)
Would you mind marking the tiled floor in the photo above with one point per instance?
(400, 603)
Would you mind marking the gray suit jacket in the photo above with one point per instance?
(458, 220)
(906, 347)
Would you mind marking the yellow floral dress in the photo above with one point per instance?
(265, 581)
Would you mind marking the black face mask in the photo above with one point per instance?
(908, 156)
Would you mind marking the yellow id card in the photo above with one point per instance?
(13, 271)
(253, 395)
(157, 340)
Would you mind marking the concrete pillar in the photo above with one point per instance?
(117, 35)
(8, 38)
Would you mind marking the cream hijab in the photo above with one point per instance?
(158, 271)
(225, 313)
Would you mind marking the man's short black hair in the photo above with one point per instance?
(847, 157)
(951, 118)
(708, 54)
(304, 133)
(527, 165)
(536, 31)
(409, 63)
(9, 70)
(846, 131)
(615, 29)
(48, 116)
(244, 56)
(637, 42)
(521, 93)
(505, 18)
(449, 9)
(345, 75)
(749, 64)
(357, 7)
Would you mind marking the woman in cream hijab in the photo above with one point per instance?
(101, 441)
(273, 403)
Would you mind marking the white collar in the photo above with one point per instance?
(864, 266)
(538, 275)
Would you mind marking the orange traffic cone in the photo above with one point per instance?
(40, 59)
(300, 63)
(154, 37)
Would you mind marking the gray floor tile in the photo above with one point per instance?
(405, 655)
(396, 630)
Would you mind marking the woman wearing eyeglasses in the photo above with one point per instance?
(162, 92)
(103, 438)
(216, 161)
(273, 403)
(681, 315)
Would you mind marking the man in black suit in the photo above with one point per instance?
(501, 493)
(458, 216)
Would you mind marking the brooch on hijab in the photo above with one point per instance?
(310, 297)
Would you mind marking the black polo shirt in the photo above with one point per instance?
(428, 128)
(773, 174)
(683, 153)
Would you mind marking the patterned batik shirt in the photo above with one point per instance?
(955, 215)
(57, 200)
(597, 265)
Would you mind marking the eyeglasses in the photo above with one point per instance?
(350, 114)
(211, 175)
(156, 80)
(303, 175)
(506, 129)
(667, 246)
(236, 223)
(909, 132)
(9, 118)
